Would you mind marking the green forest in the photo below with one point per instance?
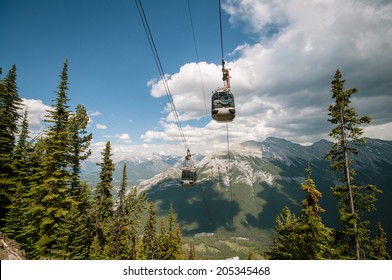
(52, 214)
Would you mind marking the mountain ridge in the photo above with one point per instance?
(241, 195)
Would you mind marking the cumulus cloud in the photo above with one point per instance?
(100, 126)
(94, 114)
(282, 82)
(36, 110)
(124, 137)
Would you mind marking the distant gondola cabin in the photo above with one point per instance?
(223, 108)
(188, 177)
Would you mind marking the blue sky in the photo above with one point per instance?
(283, 55)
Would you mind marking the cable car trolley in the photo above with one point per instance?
(222, 101)
(188, 174)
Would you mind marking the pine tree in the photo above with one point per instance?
(354, 201)
(21, 167)
(79, 225)
(78, 221)
(102, 205)
(80, 142)
(316, 238)
(163, 242)
(120, 244)
(57, 175)
(174, 251)
(380, 245)
(287, 242)
(304, 237)
(149, 245)
(10, 103)
(33, 212)
(135, 204)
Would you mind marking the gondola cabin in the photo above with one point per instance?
(222, 108)
(188, 177)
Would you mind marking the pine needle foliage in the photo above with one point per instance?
(305, 237)
(353, 240)
(149, 246)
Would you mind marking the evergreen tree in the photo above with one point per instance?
(96, 250)
(316, 238)
(56, 201)
(79, 226)
(174, 251)
(21, 168)
(10, 103)
(287, 242)
(78, 220)
(380, 245)
(305, 237)
(120, 244)
(354, 201)
(80, 142)
(34, 210)
(102, 205)
(163, 242)
(149, 245)
(135, 204)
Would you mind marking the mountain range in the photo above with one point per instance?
(239, 194)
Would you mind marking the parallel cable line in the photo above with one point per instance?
(162, 74)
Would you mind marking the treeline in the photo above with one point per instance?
(49, 211)
(306, 236)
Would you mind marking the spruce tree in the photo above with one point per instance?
(78, 221)
(354, 201)
(287, 242)
(57, 174)
(316, 238)
(380, 245)
(163, 242)
(135, 204)
(149, 245)
(102, 204)
(10, 103)
(21, 168)
(80, 141)
(79, 225)
(120, 244)
(174, 248)
(34, 211)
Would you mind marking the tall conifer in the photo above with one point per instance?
(10, 103)
(120, 244)
(21, 170)
(57, 178)
(149, 245)
(380, 245)
(316, 238)
(102, 204)
(135, 204)
(354, 201)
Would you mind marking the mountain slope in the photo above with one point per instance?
(242, 197)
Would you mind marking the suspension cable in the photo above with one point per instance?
(161, 72)
(197, 58)
(229, 173)
(226, 80)
(221, 32)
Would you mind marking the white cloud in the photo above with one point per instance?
(94, 114)
(124, 137)
(36, 113)
(282, 82)
(383, 131)
(100, 126)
